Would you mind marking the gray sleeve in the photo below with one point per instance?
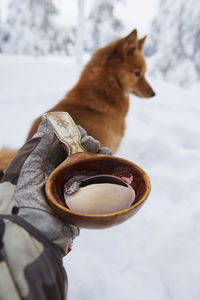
(30, 268)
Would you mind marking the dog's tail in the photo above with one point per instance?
(6, 156)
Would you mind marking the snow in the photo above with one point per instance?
(155, 254)
(175, 42)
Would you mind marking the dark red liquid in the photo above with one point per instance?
(90, 171)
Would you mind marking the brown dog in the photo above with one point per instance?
(99, 101)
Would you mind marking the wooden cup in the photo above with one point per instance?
(82, 163)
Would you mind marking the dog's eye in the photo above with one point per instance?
(137, 74)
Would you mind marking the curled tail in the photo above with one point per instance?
(6, 156)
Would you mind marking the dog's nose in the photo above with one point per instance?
(153, 94)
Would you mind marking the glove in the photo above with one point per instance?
(22, 187)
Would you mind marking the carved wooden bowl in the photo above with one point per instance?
(88, 164)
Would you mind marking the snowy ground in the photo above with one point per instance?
(154, 255)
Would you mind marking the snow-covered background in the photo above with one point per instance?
(175, 41)
(154, 255)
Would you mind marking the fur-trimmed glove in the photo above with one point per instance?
(22, 187)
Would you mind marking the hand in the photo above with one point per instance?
(23, 183)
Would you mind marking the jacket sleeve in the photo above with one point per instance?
(30, 265)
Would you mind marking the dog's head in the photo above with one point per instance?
(130, 65)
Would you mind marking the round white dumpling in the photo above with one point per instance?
(101, 198)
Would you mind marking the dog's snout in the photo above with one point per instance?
(153, 94)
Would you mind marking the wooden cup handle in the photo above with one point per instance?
(66, 131)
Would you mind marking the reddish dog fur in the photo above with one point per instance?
(99, 102)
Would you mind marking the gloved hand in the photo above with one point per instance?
(22, 187)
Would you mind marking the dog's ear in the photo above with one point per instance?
(129, 43)
(141, 43)
(126, 45)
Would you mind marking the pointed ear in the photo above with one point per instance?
(129, 43)
(125, 46)
(141, 43)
